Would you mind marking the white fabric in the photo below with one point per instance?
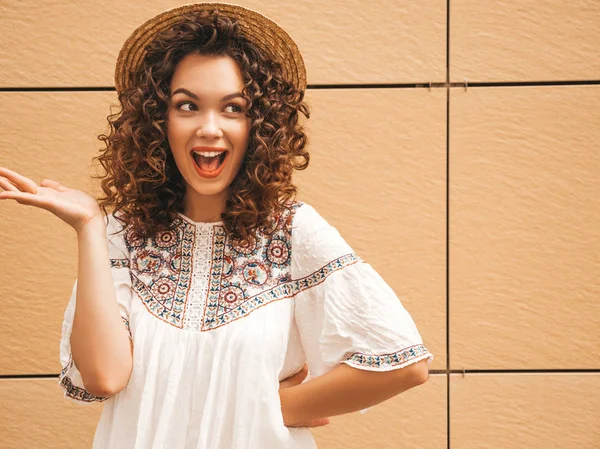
(216, 326)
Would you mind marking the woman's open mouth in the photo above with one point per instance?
(209, 164)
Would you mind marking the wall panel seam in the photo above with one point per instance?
(434, 372)
(426, 85)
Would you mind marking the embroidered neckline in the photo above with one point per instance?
(194, 277)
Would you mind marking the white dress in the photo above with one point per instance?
(216, 326)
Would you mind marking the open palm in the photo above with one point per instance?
(74, 207)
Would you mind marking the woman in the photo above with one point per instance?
(206, 288)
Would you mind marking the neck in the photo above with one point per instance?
(204, 208)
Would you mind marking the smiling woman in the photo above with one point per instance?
(208, 135)
(204, 289)
(203, 83)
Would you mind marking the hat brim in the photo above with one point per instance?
(273, 40)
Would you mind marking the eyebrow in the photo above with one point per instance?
(195, 97)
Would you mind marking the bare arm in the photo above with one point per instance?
(346, 389)
(100, 344)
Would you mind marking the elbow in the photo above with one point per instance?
(423, 376)
(104, 387)
(107, 383)
(108, 379)
(411, 376)
(419, 373)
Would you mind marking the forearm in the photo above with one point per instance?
(346, 389)
(100, 343)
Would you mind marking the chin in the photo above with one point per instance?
(210, 188)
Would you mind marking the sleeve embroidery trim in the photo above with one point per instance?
(126, 322)
(321, 274)
(119, 263)
(75, 392)
(388, 360)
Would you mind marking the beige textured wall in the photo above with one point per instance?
(477, 199)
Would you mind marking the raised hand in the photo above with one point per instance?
(74, 207)
(296, 379)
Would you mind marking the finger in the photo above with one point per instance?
(7, 185)
(29, 199)
(23, 183)
(319, 422)
(53, 185)
(314, 423)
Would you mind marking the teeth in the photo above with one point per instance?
(209, 153)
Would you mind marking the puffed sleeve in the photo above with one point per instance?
(345, 312)
(70, 379)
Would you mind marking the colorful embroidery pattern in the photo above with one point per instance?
(320, 275)
(388, 360)
(126, 323)
(161, 272)
(119, 263)
(75, 392)
(241, 278)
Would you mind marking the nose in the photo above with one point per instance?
(209, 127)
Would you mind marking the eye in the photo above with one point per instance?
(179, 106)
(236, 108)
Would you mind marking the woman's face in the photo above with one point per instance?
(207, 128)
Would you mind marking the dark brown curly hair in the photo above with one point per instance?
(142, 185)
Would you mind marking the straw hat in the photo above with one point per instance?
(255, 27)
